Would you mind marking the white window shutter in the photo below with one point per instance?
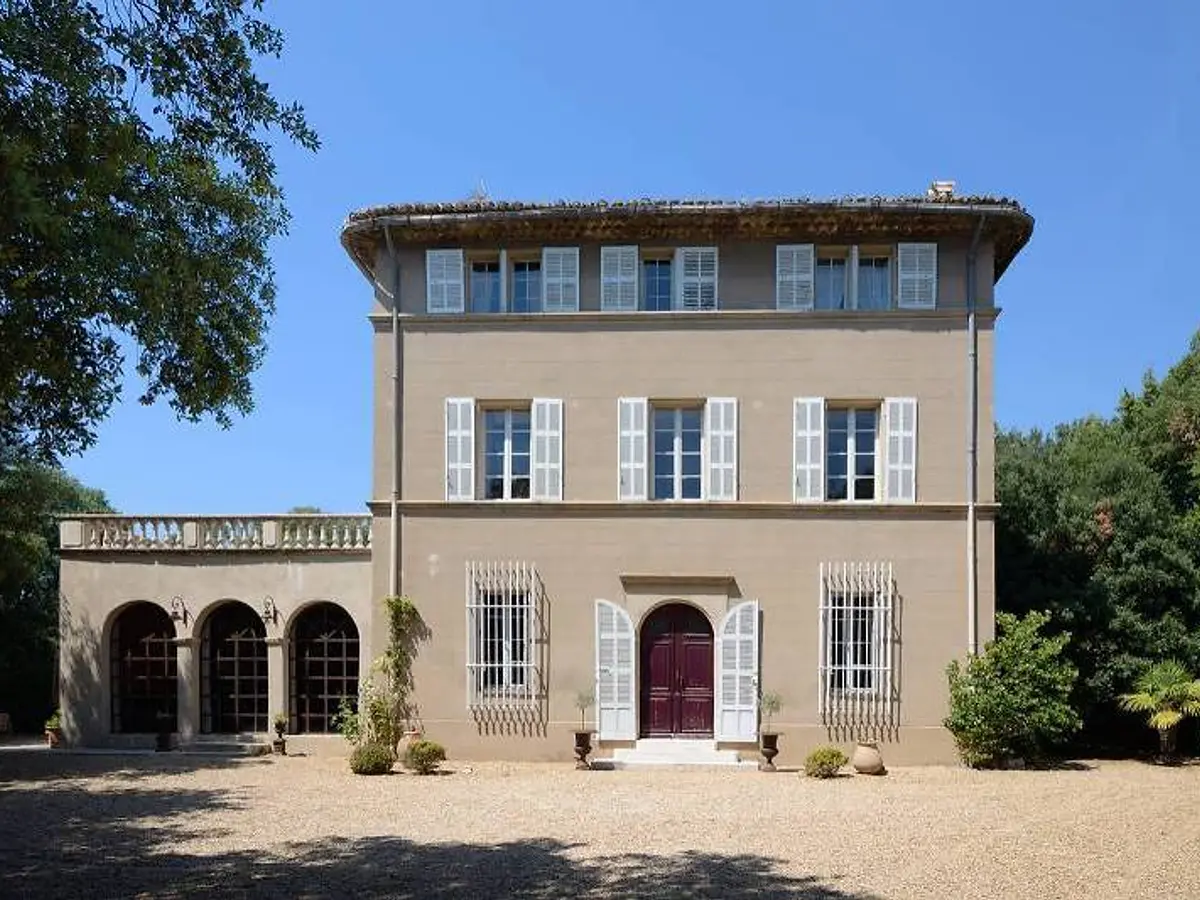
(615, 711)
(808, 449)
(917, 278)
(619, 278)
(737, 674)
(560, 279)
(444, 281)
(696, 284)
(900, 456)
(795, 273)
(547, 449)
(631, 448)
(460, 448)
(721, 436)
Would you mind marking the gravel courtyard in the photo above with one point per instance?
(109, 826)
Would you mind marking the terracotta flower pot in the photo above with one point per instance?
(583, 746)
(867, 759)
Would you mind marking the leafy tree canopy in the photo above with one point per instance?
(1099, 524)
(137, 199)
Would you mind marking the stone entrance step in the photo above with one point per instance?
(227, 745)
(673, 752)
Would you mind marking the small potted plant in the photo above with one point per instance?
(279, 745)
(583, 737)
(162, 735)
(54, 729)
(768, 705)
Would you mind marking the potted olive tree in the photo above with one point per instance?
(583, 737)
(769, 703)
(54, 729)
(279, 745)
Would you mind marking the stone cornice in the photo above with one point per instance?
(740, 510)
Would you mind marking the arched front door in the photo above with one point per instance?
(676, 673)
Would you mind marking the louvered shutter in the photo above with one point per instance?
(808, 449)
(619, 278)
(795, 286)
(444, 281)
(737, 676)
(547, 449)
(560, 279)
(614, 673)
(631, 448)
(696, 286)
(460, 448)
(916, 265)
(900, 459)
(721, 433)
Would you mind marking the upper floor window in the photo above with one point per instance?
(486, 296)
(527, 286)
(506, 449)
(856, 277)
(874, 287)
(676, 462)
(656, 284)
(851, 448)
(677, 451)
(831, 282)
(855, 452)
(514, 450)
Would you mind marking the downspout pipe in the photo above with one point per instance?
(973, 445)
(394, 537)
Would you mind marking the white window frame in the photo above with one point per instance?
(445, 292)
(481, 452)
(677, 451)
(846, 587)
(852, 409)
(494, 683)
(681, 280)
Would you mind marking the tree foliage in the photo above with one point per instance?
(1099, 524)
(137, 199)
(31, 495)
(1167, 693)
(1014, 699)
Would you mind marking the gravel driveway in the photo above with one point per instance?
(110, 826)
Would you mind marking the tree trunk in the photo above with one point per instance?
(1166, 743)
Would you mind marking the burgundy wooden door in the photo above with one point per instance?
(676, 673)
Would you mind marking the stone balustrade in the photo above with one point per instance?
(304, 533)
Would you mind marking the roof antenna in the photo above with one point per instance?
(480, 194)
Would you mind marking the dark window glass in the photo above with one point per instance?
(527, 287)
(485, 287)
(656, 284)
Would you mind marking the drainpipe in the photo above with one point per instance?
(394, 543)
(973, 448)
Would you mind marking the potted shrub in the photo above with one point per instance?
(164, 723)
(768, 705)
(583, 737)
(824, 762)
(54, 729)
(279, 745)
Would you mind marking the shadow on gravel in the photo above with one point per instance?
(20, 764)
(60, 839)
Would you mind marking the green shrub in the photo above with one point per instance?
(371, 759)
(347, 721)
(1013, 700)
(423, 756)
(824, 762)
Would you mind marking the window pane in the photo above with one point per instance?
(874, 283)
(836, 489)
(831, 284)
(836, 419)
(520, 487)
(664, 487)
(691, 487)
(656, 284)
(691, 465)
(864, 488)
(527, 287)
(693, 420)
(485, 287)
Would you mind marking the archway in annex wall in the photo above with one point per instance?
(143, 668)
(323, 666)
(233, 671)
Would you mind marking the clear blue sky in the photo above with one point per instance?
(1089, 117)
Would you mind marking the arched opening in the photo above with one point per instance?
(233, 671)
(323, 663)
(676, 657)
(144, 669)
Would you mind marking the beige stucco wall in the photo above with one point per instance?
(763, 360)
(746, 273)
(97, 585)
(772, 557)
